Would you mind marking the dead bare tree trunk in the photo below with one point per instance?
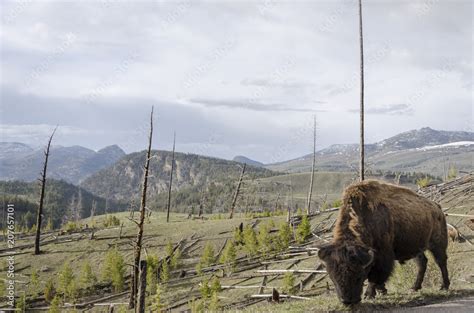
(201, 203)
(310, 193)
(236, 195)
(171, 181)
(276, 202)
(138, 243)
(39, 216)
(94, 207)
(362, 147)
(142, 287)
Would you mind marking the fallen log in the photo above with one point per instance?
(300, 271)
(459, 215)
(247, 287)
(281, 296)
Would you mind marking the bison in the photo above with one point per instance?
(379, 223)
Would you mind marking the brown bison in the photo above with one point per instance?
(379, 223)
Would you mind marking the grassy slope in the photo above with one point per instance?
(330, 183)
(429, 161)
(157, 234)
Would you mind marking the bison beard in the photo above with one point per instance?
(379, 223)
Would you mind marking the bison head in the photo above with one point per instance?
(347, 266)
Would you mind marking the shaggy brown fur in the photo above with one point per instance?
(377, 224)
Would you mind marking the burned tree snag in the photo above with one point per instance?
(39, 216)
(362, 147)
(201, 203)
(138, 243)
(171, 181)
(237, 190)
(142, 287)
(310, 193)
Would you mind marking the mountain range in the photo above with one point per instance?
(425, 150)
(107, 171)
(19, 161)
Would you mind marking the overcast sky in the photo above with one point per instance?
(232, 78)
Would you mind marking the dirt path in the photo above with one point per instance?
(465, 305)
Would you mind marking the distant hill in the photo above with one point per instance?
(245, 160)
(63, 201)
(72, 164)
(425, 150)
(422, 138)
(122, 180)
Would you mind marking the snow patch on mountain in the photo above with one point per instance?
(457, 144)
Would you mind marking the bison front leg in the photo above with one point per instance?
(379, 274)
(421, 262)
(372, 289)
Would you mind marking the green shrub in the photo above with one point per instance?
(34, 283)
(284, 236)
(238, 236)
(151, 272)
(72, 292)
(66, 278)
(169, 249)
(111, 220)
(175, 260)
(165, 272)
(71, 227)
(88, 277)
(452, 173)
(229, 256)
(337, 203)
(216, 285)
(208, 257)
(205, 289)
(264, 239)
(114, 269)
(214, 302)
(303, 230)
(196, 306)
(157, 302)
(250, 241)
(49, 290)
(55, 305)
(20, 303)
(423, 182)
(288, 283)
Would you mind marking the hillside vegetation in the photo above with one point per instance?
(63, 202)
(210, 275)
(122, 180)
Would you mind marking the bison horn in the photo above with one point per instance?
(371, 255)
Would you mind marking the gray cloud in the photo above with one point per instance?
(283, 56)
(270, 83)
(251, 105)
(389, 109)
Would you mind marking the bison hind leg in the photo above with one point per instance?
(421, 261)
(441, 259)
